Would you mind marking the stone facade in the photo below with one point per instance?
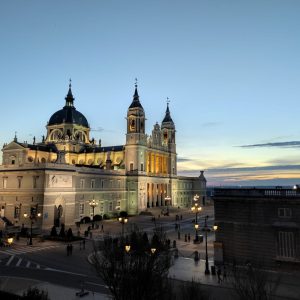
(60, 175)
(260, 226)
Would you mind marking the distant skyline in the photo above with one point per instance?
(231, 70)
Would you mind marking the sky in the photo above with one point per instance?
(231, 70)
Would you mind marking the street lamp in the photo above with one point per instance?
(33, 216)
(123, 221)
(196, 209)
(206, 229)
(93, 204)
(168, 200)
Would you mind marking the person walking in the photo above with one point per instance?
(83, 243)
(189, 237)
(102, 228)
(185, 237)
(68, 250)
(219, 275)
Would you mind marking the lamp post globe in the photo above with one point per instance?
(93, 204)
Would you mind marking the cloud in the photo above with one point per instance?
(98, 129)
(255, 169)
(184, 159)
(262, 175)
(291, 144)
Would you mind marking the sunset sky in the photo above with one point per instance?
(230, 68)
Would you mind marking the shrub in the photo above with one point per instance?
(53, 231)
(97, 218)
(62, 231)
(35, 294)
(85, 220)
(106, 217)
(123, 214)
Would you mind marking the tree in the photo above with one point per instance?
(252, 283)
(138, 273)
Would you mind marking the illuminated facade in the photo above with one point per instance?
(60, 175)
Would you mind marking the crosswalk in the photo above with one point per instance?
(16, 261)
(23, 249)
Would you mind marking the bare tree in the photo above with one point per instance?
(252, 283)
(135, 267)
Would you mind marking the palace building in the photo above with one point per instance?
(60, 176)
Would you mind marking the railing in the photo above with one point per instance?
(256, 192)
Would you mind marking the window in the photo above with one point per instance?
(142, 167)
(4, 182)
(81, 208)
(20, 181)
(81, 183)
(12, 161)
(286, 244)
(101, 207)
(285, 212)
(131, 166)
(110, 207)
(118, 207)
(17, 212)
(92, 183)
(34, 184)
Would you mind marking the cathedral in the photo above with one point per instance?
(68, 176)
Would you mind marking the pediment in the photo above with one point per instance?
(13, 146)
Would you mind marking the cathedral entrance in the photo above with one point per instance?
(57, 215)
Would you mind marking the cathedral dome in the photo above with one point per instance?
(68, 114)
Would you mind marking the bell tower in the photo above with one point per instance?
(135, 121)
(168, 140)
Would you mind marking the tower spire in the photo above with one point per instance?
(167, 117)
(69, 98)
(136, 98)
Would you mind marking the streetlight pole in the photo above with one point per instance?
(168, 199)
(206, 255)
(123, 221)
(93, 204)
(33, 215)
(196, 209)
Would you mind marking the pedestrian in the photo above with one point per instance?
(178, 233)
(83, 243)
(219, 275)
(185, 237)
(189, 237)
(68, 250)
(224, 274)
(102, 228)
(91, 234)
